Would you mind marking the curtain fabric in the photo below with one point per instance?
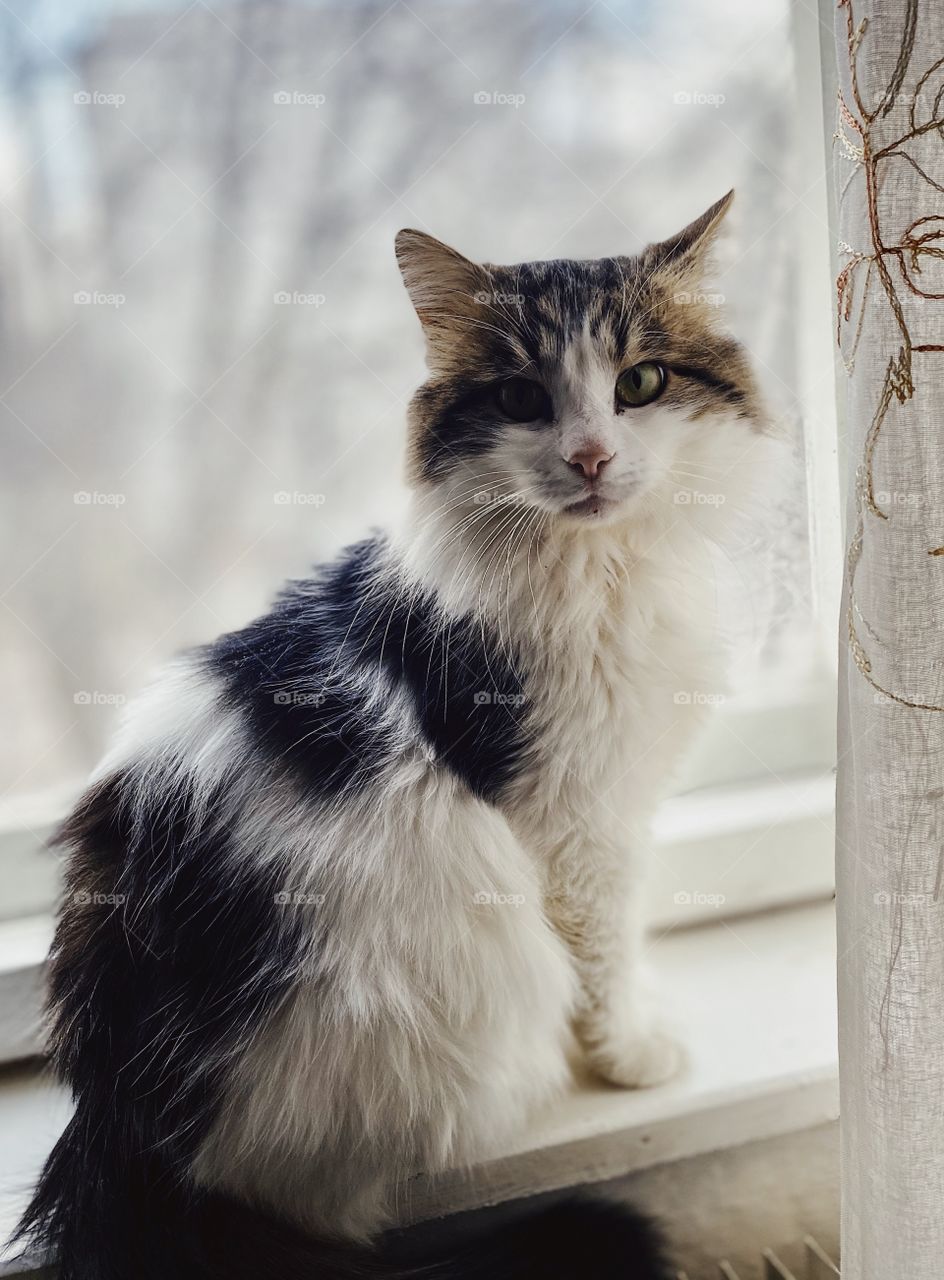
(889, 170)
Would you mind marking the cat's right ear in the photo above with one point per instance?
(445, 288)
(686, 253)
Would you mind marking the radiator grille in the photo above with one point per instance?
(817, 1265)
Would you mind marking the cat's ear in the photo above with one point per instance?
(686, 253)
(445, 289)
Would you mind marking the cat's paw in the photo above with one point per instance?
(649, 1058)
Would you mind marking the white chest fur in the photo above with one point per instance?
(619, 656)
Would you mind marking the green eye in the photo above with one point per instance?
(641, 384)
(522, 400)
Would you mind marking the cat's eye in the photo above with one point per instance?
(641, 384)
(522, 400)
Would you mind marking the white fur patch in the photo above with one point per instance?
(431, 1018)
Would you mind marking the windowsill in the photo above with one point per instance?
(754, 999)
(23, 947)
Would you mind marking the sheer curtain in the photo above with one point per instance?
(889, 170)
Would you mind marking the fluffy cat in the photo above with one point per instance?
(352, 875)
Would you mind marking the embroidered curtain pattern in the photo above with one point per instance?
(889, 169)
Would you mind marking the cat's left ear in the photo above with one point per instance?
(687, 252)
(445, 288)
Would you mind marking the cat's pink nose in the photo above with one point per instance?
(590, 461)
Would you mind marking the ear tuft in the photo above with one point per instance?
(435, 275)
(443, 287)
(412, 246)
(687, 250)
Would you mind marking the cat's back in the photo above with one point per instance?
(353, 674)
(288, 694)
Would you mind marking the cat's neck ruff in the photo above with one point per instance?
(528, 574)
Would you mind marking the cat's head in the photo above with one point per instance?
(591, 391)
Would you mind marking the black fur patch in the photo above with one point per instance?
(169, 954)
(462, 423)
(697, 373)
(320, 675)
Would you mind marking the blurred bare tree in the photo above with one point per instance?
(205, 348)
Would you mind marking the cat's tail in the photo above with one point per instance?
(149, 1229)
(573, 1239)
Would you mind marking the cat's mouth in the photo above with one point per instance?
(595, 504)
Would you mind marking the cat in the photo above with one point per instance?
(352, 877)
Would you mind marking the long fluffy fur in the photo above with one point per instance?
(351, 875)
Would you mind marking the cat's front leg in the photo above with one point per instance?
(595, 900)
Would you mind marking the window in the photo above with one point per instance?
(207, 350)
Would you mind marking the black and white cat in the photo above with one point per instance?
(352, 875)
